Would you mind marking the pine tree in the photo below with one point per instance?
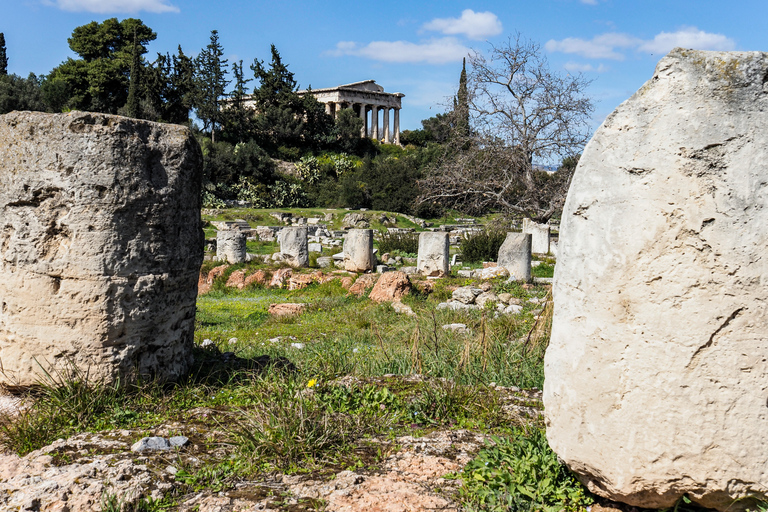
(211, 83)
(236, 117)
(3, 56)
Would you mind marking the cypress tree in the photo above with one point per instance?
(133, 105)
(461, 103)
(211, 83)
(3, 56)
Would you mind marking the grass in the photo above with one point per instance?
(305, 393)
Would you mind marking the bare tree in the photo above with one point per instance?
(521, 111)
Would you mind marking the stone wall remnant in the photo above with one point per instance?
(433, 257)
(230, 246)
(294, 245)
(358, 250)
(655, 376)
(100, 246)
(515, 255)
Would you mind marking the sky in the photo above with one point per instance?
(412, 47)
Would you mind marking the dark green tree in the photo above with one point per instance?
(211, 82)
(133, 104)
(461, 104)
(18, 93)
(237, 118)
(180, 96)
(99, 80)
(277, 85)
(3, 56)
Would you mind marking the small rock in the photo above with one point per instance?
(207, 343)
(151, 443)
(403, 309)
(486, 297)
(505, 297)
(178, 441)
(457, 328)
(466, 294)
(298, 346)
(465, 273)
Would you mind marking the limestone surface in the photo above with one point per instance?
(391, 287)
(656, 376)
(100, 246)
(515, 255)
(433, 258)
(539, 236)
(293, 244)
(358, 250)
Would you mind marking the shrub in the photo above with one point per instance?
(398, 242)
(428, 210)
(482, 246)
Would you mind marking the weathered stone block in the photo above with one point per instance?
(230, 246)
(515, 256)
(100, 246)
(657, 369)
(294, 244)
(539, 236)
(358, 250)
(433, 257)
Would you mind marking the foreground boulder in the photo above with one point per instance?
(100, 246)
(656, 371)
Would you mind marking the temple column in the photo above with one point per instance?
(364, 117)
(336, 110)
(329, 108)
(397, 126)
(387, 138)
(375, 122)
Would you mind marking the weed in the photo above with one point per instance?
(521, 473)
(398, 242)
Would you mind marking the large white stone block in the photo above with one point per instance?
(358, 250)
(433, 258)
(230, 245)
(539, 236)
(294, 244)
(656, 376)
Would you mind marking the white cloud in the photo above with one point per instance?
(604, 46)
(474, 25)
(687, 37)
(110, 6)
(433, 51)
(578, 67)
(610, 45)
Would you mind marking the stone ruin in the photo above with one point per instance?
(100, 246)
(358, 250)
(230, 246)
(293, 245)
(656, 373)
(540, 243)
(515, 256)
(433, 258)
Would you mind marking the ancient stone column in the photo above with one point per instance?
(294, 244)
(230, 246)
(387, 133)
(100, 246)
(336, 109)
(515, 256)
(433, 257)
(539, 234)
(364, 117)
(397, 126)
(358, 250)
(375, 122)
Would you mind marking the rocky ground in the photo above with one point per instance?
(402, 474)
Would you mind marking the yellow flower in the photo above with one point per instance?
(311, 383)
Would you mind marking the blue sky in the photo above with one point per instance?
(411, 47)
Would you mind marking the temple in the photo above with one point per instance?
(364, 97)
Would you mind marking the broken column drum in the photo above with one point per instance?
(294, 244)
(230, 246)
(656, 375)
(100, 246)
(358, 250)
(433, 257)
(515, 256)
